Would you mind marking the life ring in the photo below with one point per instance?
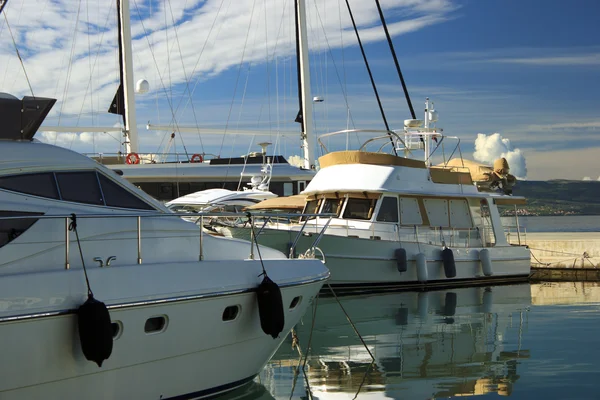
(132, 158)
(196, 158)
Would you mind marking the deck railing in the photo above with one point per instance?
(198, 219)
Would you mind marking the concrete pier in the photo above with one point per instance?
(564, 249)
(564, 256)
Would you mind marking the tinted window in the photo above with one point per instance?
(359, 209)
(117, 196)
(81, 187)
(310, 208)
(36, 184)
(388, 212)
(332, 206)
(10, 229)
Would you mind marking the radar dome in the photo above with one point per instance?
(142, 86)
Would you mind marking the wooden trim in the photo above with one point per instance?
(364, 157)
(342, 195)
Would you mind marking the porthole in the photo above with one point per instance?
(155, 324)
(231, 313)
(295, 302)
(117, 329)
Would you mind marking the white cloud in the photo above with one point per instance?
(563, 60)
(296, 161)
(490, 148)
(91, 141)
(586, 178)
(174, 40)
(562, 125)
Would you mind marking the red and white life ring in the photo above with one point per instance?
(196, 158)
(132, 158)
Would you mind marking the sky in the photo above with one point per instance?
(510, 78)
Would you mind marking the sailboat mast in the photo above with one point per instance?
(127, 77)
(307, 137)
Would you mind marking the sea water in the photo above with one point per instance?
(526, 341)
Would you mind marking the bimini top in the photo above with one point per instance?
(22, 118)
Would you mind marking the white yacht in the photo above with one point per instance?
(182, 314)
(229, 200)
(403, 221)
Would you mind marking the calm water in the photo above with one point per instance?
(566, 223)
(526, 341)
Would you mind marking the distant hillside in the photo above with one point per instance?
(559, 197)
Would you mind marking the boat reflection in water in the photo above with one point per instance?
(455, 342)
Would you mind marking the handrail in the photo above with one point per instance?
(166, 214)
(386, 132)
(385, 144)
(138, 217)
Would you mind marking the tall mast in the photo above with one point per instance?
(307, 137)
(426, 137)
(127, 77)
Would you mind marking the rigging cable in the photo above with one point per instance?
(202, 52)
(69, 69)
(344, 83)
(187, 86)
(238, 74)
(362, 50)
(162, 83)
(18, 54)
(389, 40)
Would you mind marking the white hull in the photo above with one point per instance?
(356, 262)
(42, 357)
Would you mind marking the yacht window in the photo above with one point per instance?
(117, 196)
(80, 187)
(359, 209)
(437, 212)
(388, 212)
(332, 206)
(460, 217)
(10, 229)
(310, 208)
(410, 212)
(36, 184)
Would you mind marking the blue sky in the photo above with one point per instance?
(528, 70)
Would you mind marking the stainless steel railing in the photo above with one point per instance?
(138, 217)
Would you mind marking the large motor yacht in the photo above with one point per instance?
(399, 220)
(184, 310)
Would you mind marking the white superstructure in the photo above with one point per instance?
(404, 221)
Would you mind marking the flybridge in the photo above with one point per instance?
(22, 118)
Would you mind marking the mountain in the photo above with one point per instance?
(558, 197)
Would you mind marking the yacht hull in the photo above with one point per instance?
(365, 263)
(196, 354)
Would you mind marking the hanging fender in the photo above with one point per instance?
(486, 262)
(448, 261)
(132, 158)
(270, 307)
(95, 330)
(421, 262)
(401, 260)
